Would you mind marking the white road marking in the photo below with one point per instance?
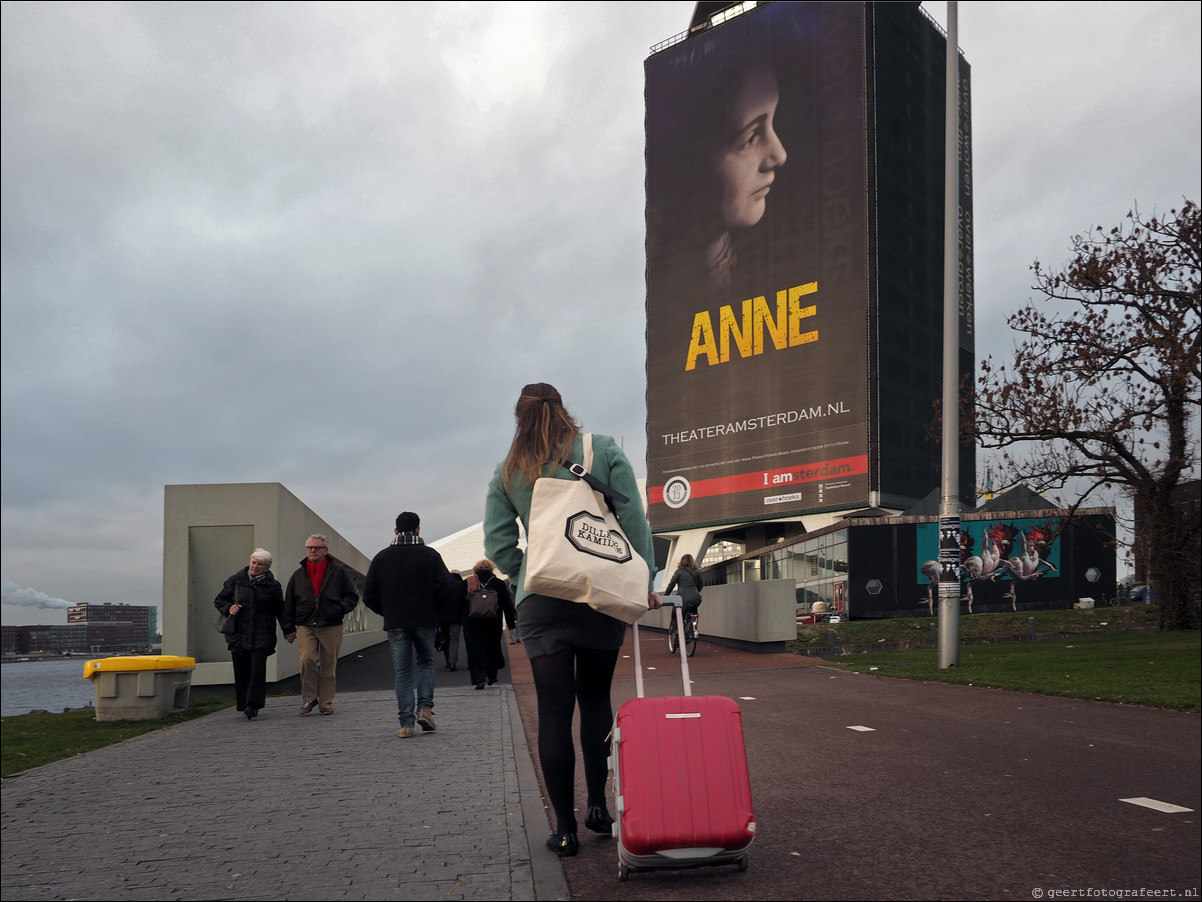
(1157, 806)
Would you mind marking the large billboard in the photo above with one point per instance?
(1007, 550)
(758, 268)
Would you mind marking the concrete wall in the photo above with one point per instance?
(209, 532)
(756, 616)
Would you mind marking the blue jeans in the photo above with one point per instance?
(403, 643)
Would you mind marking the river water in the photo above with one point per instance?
(49, 685)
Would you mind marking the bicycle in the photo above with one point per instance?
(690, 633)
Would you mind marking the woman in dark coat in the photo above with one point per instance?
(482, 635)
(256, 601)
(688, 580)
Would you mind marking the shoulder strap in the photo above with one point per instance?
(582, 471)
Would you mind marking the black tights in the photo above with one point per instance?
(560, 680)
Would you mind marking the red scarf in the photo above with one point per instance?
(317, 573)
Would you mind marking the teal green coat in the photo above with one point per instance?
(507, 504)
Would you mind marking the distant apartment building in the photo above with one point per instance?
(90, 629)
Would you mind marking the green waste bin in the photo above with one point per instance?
(140, 687)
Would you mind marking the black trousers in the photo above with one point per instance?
(250, 677)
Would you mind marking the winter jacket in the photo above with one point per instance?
(454, 608)
(407, 584)
(262, 602)
(328, 607)
(689, 582)
(506, 504)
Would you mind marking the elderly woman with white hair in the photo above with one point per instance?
(255, 599)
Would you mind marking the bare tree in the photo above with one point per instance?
(1103, 391)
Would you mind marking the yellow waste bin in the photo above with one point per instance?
(140, 687)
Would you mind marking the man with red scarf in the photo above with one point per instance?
(320, 594)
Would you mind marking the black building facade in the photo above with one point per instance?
(795, 340)
(1030, 558)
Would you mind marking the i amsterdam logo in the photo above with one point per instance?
(589, 534)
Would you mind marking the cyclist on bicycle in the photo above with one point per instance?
(688, 579)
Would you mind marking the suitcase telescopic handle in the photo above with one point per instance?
(684, 658)
(680, 644)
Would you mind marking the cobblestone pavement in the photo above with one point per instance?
(288, 807)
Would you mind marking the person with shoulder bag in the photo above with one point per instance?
(572, 646)
(489, 608)
(253, 601)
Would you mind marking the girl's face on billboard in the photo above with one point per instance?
(750, 157)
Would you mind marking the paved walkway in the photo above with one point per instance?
(287, 807)
(864, 788)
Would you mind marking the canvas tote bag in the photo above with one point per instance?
(575, 548)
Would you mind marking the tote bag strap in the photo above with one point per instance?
(612, 496)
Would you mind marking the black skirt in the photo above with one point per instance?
(551, 625)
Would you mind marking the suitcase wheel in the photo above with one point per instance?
(623, 872)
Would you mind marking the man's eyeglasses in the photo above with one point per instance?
(314, 547)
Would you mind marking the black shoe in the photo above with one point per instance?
(479, 685)
(251, 713)
(565, 845)
(491, 680)
(599, 821)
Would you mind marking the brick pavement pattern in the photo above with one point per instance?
(281, 807)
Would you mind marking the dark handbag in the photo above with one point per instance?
(483, 604)
(227, 624)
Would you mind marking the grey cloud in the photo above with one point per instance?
(325, 245)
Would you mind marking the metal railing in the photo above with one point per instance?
(719, 18)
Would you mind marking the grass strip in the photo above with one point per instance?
(31, 740)
(1162, 670)
(911, 632)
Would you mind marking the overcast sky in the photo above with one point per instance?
(326, 244)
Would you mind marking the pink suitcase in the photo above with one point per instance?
(681, 785)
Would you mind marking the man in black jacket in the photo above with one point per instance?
(406, 584)
(320, 594)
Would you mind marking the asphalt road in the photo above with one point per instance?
(869, 787)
